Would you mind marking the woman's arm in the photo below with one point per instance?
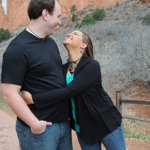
(84, 80)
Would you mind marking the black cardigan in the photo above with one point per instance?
(96, 114)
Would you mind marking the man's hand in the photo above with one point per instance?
(40, 127)
(27, 97)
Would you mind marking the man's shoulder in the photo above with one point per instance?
(17, 44)
(19, 39)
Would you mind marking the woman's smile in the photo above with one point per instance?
(69, 37)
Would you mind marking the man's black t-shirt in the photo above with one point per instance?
(36, 66)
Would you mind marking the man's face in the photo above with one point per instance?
(54, 20)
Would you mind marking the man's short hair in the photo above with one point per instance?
(36, 7)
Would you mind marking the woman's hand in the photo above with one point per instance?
(27, 97)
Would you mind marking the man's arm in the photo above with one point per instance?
(11, 95)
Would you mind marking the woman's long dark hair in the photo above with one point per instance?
(89, 48)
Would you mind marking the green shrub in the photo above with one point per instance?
(98, 14)
(78, 25)
(117, 4)
(146, 20)
(143, 1)
(73, 9)
(74, 18)
(73, 13)
(88, 19)
(4, 35)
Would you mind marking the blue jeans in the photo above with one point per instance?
(112, 141)
(56, 137)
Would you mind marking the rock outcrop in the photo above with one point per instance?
(16, 14)
(2, 14)
(17, 10)
(80, 4)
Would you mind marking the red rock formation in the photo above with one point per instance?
(16, 15)
(2, 14)
(66, 6)
(17, 10)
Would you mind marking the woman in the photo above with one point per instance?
(93, 115)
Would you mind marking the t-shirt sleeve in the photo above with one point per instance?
(14, 65)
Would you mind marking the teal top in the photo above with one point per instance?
(69, 78)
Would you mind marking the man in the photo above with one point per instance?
(32, 63)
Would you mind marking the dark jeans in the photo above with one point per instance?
(56, 137)
(113, 141)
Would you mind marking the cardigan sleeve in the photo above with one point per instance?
(81, 82)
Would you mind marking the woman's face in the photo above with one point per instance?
(74, 40)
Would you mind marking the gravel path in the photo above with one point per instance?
(8, 137)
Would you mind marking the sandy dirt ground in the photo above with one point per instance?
(8, 137)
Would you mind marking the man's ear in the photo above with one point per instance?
(44, 14)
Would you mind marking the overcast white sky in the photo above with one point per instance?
(4, 4)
